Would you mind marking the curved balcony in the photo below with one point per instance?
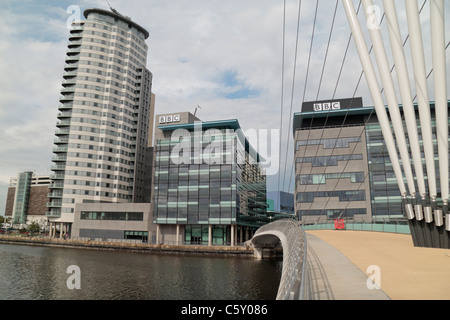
(63, 115)
(63, 123)
(72, 57)
(76, 26)
(59, 158)
(75, 35)
(69, 82)
(56, 185)
(69, 74)
(64, 131)
(73, 51)
(66, 90)
(74, 43)
(61, 140)
(65, 106)
(67, 98)
(70, 66)
(59, 167)
(57, 176)
(60, 149)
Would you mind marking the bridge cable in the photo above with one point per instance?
(304, 90)
(282, 97)
(328, 46)
(292, 90)
(320, 81)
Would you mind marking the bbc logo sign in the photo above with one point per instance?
(169, 119)
(332, 105)
(327, 106)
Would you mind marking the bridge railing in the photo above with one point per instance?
(294, 282)
(362, 226)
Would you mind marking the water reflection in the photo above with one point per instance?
(28, 272)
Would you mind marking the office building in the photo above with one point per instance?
(281, 202)
(209, 187)
(105, 113)
(343, 169)
(27, 199)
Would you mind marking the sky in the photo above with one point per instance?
(224, 56)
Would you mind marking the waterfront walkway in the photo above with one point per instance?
(338, 261)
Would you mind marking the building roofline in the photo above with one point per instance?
(300, 116)
(117, 15)
(229, 124)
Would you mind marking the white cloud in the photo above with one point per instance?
(31, 70)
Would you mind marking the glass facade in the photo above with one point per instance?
(22, 197)
(207, 178)
(199, 234)
(386, 197)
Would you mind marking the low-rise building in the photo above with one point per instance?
(113, 222)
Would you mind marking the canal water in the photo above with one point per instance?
(45, 273)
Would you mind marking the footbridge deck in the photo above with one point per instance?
(312, 269)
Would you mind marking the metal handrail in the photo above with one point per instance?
(294, 276)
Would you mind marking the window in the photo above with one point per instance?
(112, 216)
(312, 179)
(329, 143)
(347, 195)
(136, 235)
(323, 161)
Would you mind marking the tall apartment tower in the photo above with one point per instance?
(105, 117)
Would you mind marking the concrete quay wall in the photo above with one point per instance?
(240, 251)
